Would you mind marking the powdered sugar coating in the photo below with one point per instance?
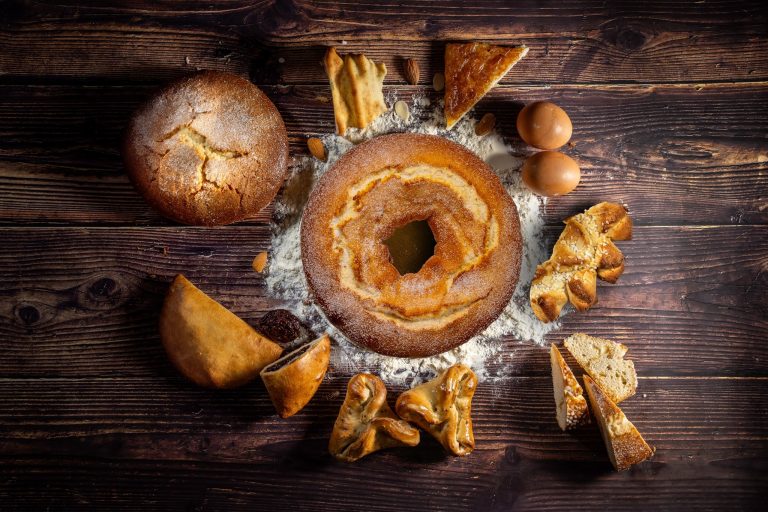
(483, 353)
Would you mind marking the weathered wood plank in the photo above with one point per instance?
(674, 154)
(572, 42)
(84, 302)
(134, 435)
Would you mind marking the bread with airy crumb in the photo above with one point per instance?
(626, 447)
(570, 403)
(604, 361)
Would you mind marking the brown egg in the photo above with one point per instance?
(551, 173)
(544, 125)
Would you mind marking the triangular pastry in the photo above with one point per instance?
(366, 423)
(443, 407)
(471, 70)
(604, 361)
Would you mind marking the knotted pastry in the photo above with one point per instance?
(584, 252)
(443, 407)
(292, 380)
(366, 423)
(356, 88)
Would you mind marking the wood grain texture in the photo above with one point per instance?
(572, 41)
(692, 300)
(173, 442)
(670, 106)
(59, 159)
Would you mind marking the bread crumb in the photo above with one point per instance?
(260, 262)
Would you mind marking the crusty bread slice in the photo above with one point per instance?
(570, 403)
(624, 443)
(604, 361)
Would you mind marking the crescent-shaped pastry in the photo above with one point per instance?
(366, 423)
(293, 379)
(208, 343)
(443, 408)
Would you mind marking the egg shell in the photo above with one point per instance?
(551, 173)
(544, 125)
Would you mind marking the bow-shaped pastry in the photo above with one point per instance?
(443, 408)
(366, 423)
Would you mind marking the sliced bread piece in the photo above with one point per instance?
(604, 361)
(624, 443)
(570, 403)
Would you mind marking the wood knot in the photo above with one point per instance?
(28, 314)
(102, 288)
(101, 293)
(630, 40)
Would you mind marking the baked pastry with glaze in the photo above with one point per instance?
(209, 344)
(386, 183)
(292, 380)
(366, 423)
(626, 447)
(604, 361)
(356, 89)
(570, 404)
(471, 70)
(208, 149)
(443, 407)
(584, 252)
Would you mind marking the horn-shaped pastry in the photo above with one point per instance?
(443, 408)
(293, 379)
(366, 423)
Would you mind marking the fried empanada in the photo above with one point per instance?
(208, 343)
(292, 380)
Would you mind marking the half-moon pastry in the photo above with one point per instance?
(381, 186)
(209, 344)
(366, 423)
(292, 380)
(443, 407)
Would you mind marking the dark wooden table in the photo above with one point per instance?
(670, 107)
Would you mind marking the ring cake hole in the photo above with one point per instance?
(410, 246)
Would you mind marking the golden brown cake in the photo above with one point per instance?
(207, 149)
(384, 184)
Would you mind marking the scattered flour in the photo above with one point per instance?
(483, 353)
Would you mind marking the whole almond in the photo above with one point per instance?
(485, 125)
(438, 81)
(260, 262)
(317, 148)
(402, 110)
(412, 71)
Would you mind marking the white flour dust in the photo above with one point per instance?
(483, 353)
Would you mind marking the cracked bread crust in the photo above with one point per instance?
(208, 149)
(386, 183)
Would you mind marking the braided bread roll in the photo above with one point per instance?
(584, 252)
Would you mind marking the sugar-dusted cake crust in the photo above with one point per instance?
(207, 149)
(386, 183)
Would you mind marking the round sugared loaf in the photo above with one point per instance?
(208, 149)
(384, 184)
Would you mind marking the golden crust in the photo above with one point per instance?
(386, 183)
(356, 89)
(626, 447)
(584, 252)
(292, 380)
(443, 407)
(570, 403)
(208, 149)
(209, 344)
(471, 70)
(366, 423)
